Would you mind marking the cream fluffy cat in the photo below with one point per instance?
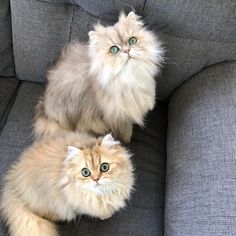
(105, 85)
(53, 181)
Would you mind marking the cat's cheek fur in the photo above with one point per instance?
(95, 204)
(100, 203)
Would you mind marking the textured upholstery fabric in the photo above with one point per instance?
(17, 132)
(18, 129)
(144, 214)
(39, 32)
(195, 33)
(6, 55)
(7, 89)
(201, 155)
(103, 9)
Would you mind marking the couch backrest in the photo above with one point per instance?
(195, 33)
(6, 55)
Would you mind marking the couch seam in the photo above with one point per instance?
(72, 19)
(12, 38)
(9, 106)
(144, 4)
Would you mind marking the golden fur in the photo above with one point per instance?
(46, 183)
(91, 90)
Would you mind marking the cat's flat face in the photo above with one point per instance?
(124, 46)
(99, 169)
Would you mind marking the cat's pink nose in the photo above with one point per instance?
(96, 178)
(127, 50)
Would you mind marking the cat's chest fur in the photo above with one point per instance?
(130, 100)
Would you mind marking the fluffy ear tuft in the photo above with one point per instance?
(72, 152)
(122, 16)
(93, 35)
(132, 15)
(97, 32)
(108, 142)
(135, 18)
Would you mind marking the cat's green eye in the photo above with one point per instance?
(85, 172)
(114, 49)
(132, 41)
(104, 167)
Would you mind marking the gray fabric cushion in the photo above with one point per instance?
(39, 32)
(195, 33)
(8, 87)
(103, 9)
(17, 132)
(144, 214)
(6, 55)
(201, 155)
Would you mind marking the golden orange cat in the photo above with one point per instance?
(56, 179)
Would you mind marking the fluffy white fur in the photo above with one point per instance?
(46, 184)
(92, 90)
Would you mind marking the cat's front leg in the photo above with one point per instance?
(105, 217)
(106, 214)
(125, 131)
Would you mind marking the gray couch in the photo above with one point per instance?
(185, 157)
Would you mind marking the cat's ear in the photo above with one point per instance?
(109, 142)
(134, 18)
(97, 32)
(122, 16)
(72, 152)
(92, 35)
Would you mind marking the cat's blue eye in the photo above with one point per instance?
(114, 49)
(85, 172)
(132, 41)
(104, 167)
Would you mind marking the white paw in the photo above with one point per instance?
(105, 217)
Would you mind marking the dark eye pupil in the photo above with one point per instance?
(104, 167)
(132, 40)
(114, 49)
(85, 172)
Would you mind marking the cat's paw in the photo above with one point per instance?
(127, 138)
(125, 132)
(105, 217)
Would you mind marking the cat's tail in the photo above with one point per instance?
(23, 222)
(45, 126)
